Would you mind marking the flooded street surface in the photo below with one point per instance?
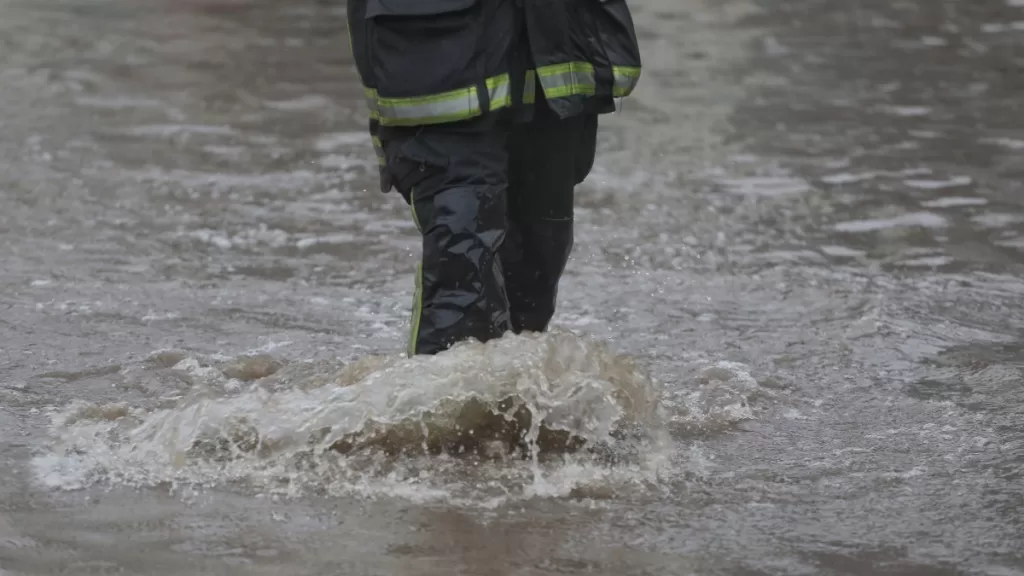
(790, 339)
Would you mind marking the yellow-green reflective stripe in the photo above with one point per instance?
(626, 79)
(453, 103)
(577, 79)
(412, 204)
(499, 91)
(378, 147)
(448, 106)
(564, 68)
(417, 311)
(417, 298)
(371, 102)
(530, 87)
(557, 81)
(569, 79)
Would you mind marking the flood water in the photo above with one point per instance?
(791, 337)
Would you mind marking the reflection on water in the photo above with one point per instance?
(790, 335)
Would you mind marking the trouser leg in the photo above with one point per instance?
(547, 159)
(456, 184)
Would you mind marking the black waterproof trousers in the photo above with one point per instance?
(494, 206)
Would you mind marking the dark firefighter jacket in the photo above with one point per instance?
(426, 62)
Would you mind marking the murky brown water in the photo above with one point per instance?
(797, 337)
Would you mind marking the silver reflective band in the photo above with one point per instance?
(578, 79)
(626, 79)
(556, 80)
(448, 106)
(569, 79)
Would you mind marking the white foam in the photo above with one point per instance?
(1015, 243)
(164, 130)
(339, 238)
(954, 201)
(117, 102)
(953, 182)
(915, 219)
(909, 111)
(848, 178)
(1009, 143)
(997, 219)
(996, 27)
(766, 186)
(722, 397)
(340, 161)
(302, 103)
(842, 252)
(927, 262)
(337, 140)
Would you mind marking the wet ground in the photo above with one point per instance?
(798, 288)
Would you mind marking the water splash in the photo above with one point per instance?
(724, 394)
(522, 416)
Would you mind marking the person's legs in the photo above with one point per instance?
(547, 159)
(456, 185)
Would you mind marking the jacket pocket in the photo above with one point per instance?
(427, 57)
(422, 47)
(376, 8)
